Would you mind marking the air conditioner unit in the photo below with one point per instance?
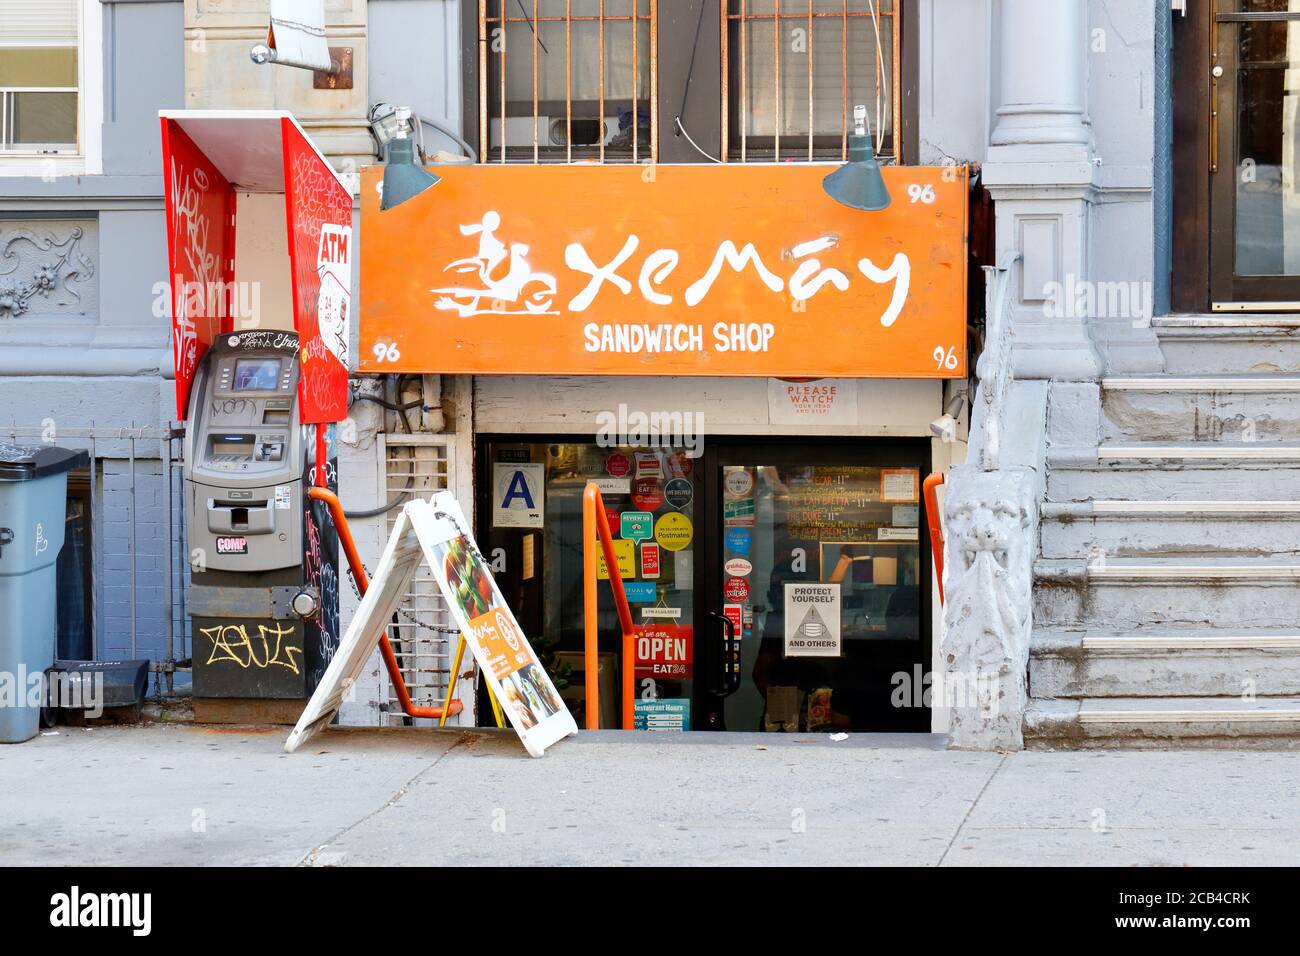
(552, 131)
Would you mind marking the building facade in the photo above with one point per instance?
(1092, 211)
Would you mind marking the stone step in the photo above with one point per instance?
(1267, 722)
(1175, 472)
(1206, 663)
(1224, 343)
(1123, 593)
(1146, 528)
(1206, 408)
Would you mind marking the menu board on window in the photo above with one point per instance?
(827, 503)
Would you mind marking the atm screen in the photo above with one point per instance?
(256, 375)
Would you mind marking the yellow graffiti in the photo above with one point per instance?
(230, 642)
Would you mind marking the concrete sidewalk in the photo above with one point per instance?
(169, 794)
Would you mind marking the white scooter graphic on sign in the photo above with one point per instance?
(533, 293)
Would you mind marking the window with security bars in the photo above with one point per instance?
(567, 80)
(39, 76)
(793, 70)
(420, 465)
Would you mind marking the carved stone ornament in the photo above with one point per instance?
(42, 265)
(990, 519)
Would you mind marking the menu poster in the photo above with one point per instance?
(899, 484)
(509, 665)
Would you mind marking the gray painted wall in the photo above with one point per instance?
(1121, 81)
(143, 73)
(415, 61)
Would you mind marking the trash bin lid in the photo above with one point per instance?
(24, 462)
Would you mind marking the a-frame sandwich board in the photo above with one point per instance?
(436, 532)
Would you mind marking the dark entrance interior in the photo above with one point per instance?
(719, 545)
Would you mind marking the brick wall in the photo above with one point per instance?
(118, 506)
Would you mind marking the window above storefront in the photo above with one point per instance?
(49, 91)
(795, 69)
(632, 81)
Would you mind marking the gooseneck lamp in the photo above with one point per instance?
(403, 176)
(858, 184)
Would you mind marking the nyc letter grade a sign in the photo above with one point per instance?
(518, 495)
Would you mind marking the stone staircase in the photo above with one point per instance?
(1167, 591)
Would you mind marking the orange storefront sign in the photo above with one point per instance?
(668, 270)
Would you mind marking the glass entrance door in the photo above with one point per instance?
(816, 589)
(1255, 154)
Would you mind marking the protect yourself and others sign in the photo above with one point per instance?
(812, 620)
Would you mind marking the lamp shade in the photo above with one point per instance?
(858, 183)
(403, 176)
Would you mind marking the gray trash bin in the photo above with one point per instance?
(33, 505)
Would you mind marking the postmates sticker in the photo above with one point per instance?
(624, 554)
(735, 590)
(674, 531)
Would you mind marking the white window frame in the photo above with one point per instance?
(89, 158)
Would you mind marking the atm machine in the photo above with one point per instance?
(263, 598)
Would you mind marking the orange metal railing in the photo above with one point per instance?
(450, 707)
(930, 485)
(595, 524)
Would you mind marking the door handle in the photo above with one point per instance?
(730, 682)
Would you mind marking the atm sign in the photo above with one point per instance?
(232, 545)
(664, 651)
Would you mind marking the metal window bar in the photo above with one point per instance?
(497, 59)
(741, 66)
(419, 465)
